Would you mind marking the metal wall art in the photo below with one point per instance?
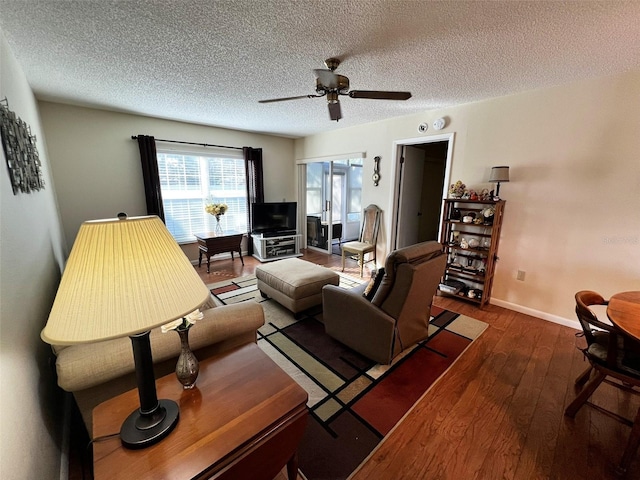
(20, 151)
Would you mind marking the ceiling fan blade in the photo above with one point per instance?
(379, 95)
(335, 112)
(327, 78)
(288, 98)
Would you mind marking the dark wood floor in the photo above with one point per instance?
(498, 413)
(228, 268)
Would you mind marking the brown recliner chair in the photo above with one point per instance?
(397, 316)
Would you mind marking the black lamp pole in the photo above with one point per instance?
(155, 419)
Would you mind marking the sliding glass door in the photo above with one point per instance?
(332, 191)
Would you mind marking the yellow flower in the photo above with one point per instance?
(216, 208)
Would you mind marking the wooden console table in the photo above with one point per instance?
(211, 243)
(244, 419)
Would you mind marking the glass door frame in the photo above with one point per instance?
(327, 201)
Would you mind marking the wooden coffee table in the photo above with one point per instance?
(244, 419)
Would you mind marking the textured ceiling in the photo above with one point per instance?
(209, 62)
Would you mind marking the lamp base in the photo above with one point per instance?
(143, 430)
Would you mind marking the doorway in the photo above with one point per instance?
(421, 177)
(332, 203)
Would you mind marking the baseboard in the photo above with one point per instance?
(536, 313)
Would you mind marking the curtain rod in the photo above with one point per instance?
(135, 137)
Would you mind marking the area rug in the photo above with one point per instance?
(353, 402)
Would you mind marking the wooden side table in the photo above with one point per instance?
(211, 243)
(244, 419)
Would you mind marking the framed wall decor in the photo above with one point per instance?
(20, 151)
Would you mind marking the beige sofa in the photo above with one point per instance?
(98, 371)
(397, 316)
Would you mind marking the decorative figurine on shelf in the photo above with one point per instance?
(456, 190)
(488, 214)
(485, 195)
(473, 195)
(464, 243)
(456, 215)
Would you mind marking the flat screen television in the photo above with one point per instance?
(274, 217)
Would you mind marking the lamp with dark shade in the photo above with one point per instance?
(499, 174)
(125, 277)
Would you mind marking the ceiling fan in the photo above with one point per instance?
(332, 85)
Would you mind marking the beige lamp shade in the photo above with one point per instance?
(499, 174)
(122, 277)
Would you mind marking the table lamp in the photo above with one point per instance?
(499, 174)
(124, 277)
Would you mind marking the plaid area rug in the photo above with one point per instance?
(353, 402)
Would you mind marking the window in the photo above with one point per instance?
(354, 190)
(189, 180)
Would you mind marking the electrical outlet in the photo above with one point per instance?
(520, 275)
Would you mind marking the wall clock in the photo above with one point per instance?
(376, 171)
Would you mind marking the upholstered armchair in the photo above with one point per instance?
(397, 314)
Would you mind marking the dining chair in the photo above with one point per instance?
(368, 237)
(611, 353)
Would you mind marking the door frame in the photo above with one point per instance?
(396, 155)
(302, 193)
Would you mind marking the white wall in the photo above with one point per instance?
(571, 218)
(31, 258)
(96, 164)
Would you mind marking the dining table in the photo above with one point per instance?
(624, 312)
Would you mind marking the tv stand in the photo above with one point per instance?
(267, 248)
(281, 233)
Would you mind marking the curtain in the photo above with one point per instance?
(150, 175)
(255, 185)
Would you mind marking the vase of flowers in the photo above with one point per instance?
(217, 210)
(187, 367)
(457, 190)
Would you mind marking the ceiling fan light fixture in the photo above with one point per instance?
(332, 85)
(332, 63)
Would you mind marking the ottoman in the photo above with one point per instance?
(294, 283)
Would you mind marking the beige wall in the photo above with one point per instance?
(31, 259)
(96, 164)
(571, 219)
